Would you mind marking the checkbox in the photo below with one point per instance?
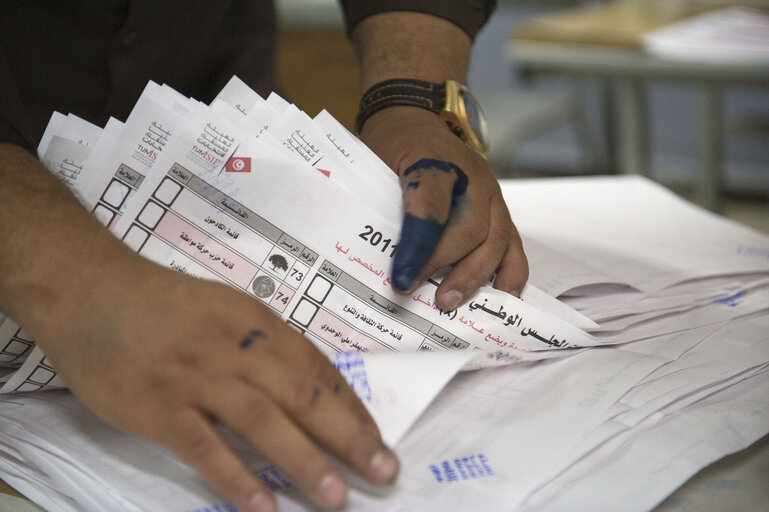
(28, 387)
(304, 312)
(151, 214)
(41, 376)
(116, 194)
(167, 191)
(135, 238)
(16, 348)
(23, 335)
(318, 289)
(103, 214)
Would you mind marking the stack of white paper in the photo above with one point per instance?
(673, 300)
(729, 36)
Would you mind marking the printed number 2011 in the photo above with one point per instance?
(376, 239)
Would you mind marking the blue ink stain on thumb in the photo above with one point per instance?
(417, 242)
(460, 183)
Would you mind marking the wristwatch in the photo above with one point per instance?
(452, 101)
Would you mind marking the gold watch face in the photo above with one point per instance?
(465, 117)
(475, 118)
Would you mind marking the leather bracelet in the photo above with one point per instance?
(399, 92)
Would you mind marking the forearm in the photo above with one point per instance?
(410, 45)
(52, 251)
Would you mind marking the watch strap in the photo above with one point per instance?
(400, 92)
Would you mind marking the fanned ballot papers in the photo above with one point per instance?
(643, 315)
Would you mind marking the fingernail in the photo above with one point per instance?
(405, 278)
(333, 490)
(515, 293)
(451, 300)
(384, 466)
(259, 502)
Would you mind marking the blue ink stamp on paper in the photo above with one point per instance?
(353, 369)
(461, 468)
(753, 250)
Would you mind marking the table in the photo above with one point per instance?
(604, 41)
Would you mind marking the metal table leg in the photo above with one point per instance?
(711, 140)
(633, 129)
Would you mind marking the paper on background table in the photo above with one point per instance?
(725, 37)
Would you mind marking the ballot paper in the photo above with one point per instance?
(637, 322)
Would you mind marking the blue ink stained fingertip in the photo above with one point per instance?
(405, 277)
(417, 242)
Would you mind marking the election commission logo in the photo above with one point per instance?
(239, 164)
(263, 287)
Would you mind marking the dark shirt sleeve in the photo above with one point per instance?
(13, 126)
(469, 15)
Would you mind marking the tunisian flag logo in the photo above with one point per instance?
(239, 164)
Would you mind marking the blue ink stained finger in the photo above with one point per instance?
(423, 225)
(353, 368)
(417, 242)
(460, 185)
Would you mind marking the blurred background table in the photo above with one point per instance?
(605, 40)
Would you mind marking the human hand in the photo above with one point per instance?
(454, 210)
(173, 356)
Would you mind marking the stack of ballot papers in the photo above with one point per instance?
(637, 354)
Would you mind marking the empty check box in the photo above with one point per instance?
(167, 191)
(16, 347)
(151, 214)
(103, 214)
(24, 335)
(135, 238)
(318, 289)
(41, 376)
(116, 194)
(304, 312)
(29, 387)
